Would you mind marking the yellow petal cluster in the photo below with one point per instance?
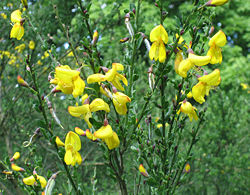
(85, 110)
(187, 108)
(112, 76)
(72, 146)
(215, 43)
(158, 36)
(120, 100)
(17, 30)
(183, 66)
(68, 81)
(205, 83)
(31, 180)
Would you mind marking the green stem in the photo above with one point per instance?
(179, 171)
(41, 102)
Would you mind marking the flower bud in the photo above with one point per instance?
(80, 131)
(216, 2)
(124, 40)
(143, 171)
(211, 31)
(21, 81)
(14, 167)
(95, 38)
(15, 156)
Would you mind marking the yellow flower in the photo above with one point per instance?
(199, 60)
(31, 180)
(113, 141)
(111, 75)
(85, 110)
(4, 16)
(72, 146)
(212, 79)
(143, 170)
(68, 81)
(20, 48)
(188, 109)
(14, 167)
(216, 2)
(104, 132)
(95, 37)
(205, 83)
(158, 36)
(114, 77)
(15, 156)
(215, 43)
(183, 66)
(59, 142)
(120, 100)
(32, 45)
(95, 78)
(17, 30)
(7, 172)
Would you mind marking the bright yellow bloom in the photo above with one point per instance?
(183, 66)
(104, 132)
(111, 75)
(216, 2)
(72, 146)
(215, 43)
(59, 142)
(199, 60)
(113, 141)
(17, 30)
(15, 156)
(4, 16)
(68, 81)
(120, 100)
(212, 79)
(188, 109)
(114, 77)
(20, 48)
(14, 167)
(32, 45)
(31, 180)
(158, 36)
(95, 78)
(85, 110)
(143, 170)
(205, 83)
